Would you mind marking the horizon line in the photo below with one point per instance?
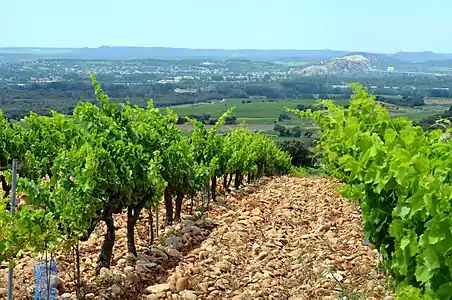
(224, 49)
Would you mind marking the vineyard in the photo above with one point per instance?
(113, 167)
(401, 176)
(78, 171)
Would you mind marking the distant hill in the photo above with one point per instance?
(339, 65)
(422, 56)
(383, 61)
(362, 62)
(403, 61)
(118, 53)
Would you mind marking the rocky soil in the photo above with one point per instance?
(281, 238)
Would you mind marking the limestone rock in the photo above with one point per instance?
(173, 253)
(228, 220)
(195, 230)
(105, 274)
(66, 296)
(132, 277)
(188, 223)
(203, 287)
(173, 242)
(203, 254)
(189, 295)
(159, 253)
(188, 217)
(222, 265)
(242, 296)
(129, 270)
(182, 284)
(172, 280)
(121, 262)
(116, 289)
(222, 284)
(169, 230)
(158, 288)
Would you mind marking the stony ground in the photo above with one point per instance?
(282, 238)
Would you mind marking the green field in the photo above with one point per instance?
(261, 114)
(257, 112)
(419, 114)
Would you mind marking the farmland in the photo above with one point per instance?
(258, 109)
(261, 114)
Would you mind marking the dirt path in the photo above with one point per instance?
(286, 241)
(282, 238)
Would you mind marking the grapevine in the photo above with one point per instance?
(402, 177)
(108, 158)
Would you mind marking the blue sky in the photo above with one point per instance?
(378, 26)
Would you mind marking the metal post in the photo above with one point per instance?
(13, 211)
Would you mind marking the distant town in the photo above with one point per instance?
(47, 79)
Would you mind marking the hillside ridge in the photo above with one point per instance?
(356, 63)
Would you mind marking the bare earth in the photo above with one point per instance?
(438, 101)
(281, 238)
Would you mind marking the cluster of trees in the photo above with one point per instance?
(292, 131)
(109, 158)
(206, 119)
(303, 107)
(406, 100)
(300, 152)
(284, 117)
(440, 93)
(385, 83)
(283, 131)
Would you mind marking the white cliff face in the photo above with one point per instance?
(339, 65)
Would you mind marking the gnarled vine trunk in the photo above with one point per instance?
(168, 207)
(214, 188)
(238, 180)
(78, 283)
(133, 213)
(151, 227)
(260, 170)
(5, 187)
(225, 182)
(179, 199)
(109, 240)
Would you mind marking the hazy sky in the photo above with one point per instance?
(364, 25)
